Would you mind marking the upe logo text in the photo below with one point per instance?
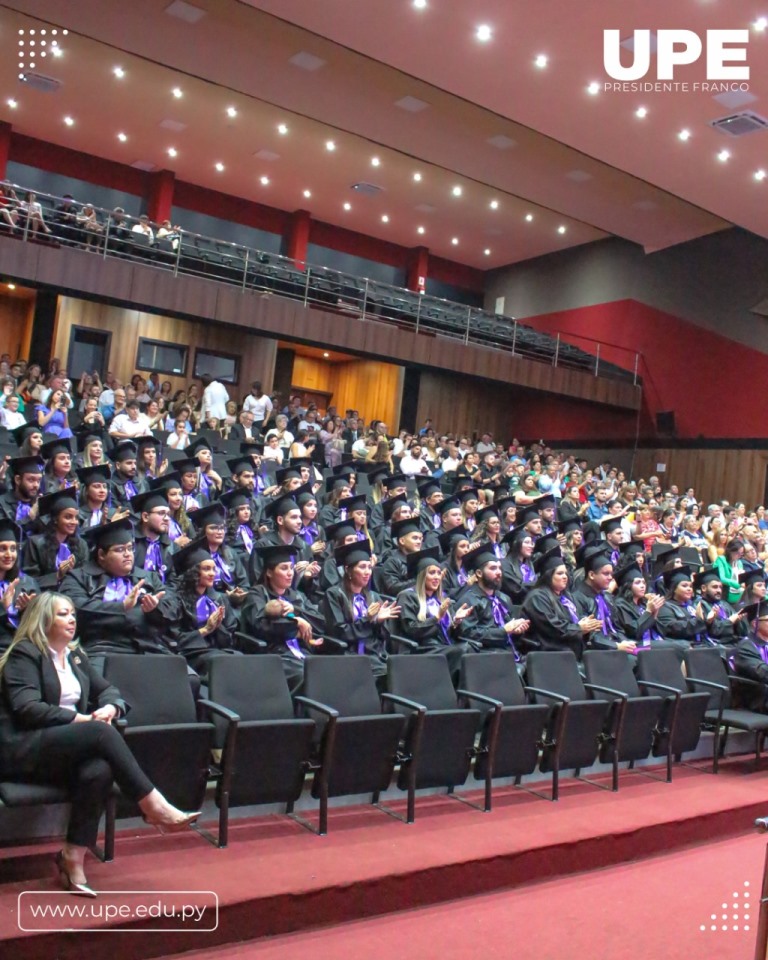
(678, 48)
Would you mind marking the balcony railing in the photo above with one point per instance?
(191, 254)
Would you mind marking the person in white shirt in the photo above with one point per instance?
(130, 424)
(179, 439)
(10, 418)
(215, 400)
(258, 403)
(272, 450)
(413, 464)
(143, 227)
(284, 435)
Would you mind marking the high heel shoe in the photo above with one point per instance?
(66, 881)
(172, 826)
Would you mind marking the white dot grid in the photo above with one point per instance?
(736, 917)
(34, 46)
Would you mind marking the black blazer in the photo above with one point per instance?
(29, 702)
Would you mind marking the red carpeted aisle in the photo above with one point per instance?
(652, 910)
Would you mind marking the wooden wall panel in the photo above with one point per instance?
(460, 405)
(127, 325)
(16, 325)
(734, 475)
(372, 388)
(313, 373)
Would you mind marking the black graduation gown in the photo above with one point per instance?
(585, 599)
(551, 624)
(303, 553)
(39, 559)
(480, 630)
(452, 586)
(9, 504)
(107, 627)
(427, 633)
(84, 515)
(721, 630)
(675, 623)
(361, 635)
(632, 621)
(117, 487)
(748, 663)
(512, 579)
(392, 574)
(7, 629)
(140, 551)
(183, 630)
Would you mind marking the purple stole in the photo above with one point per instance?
(246, 535)
(153, 559)
(433, 608)
(62, 554)
(13, 613)
(604, 614)
(223, 570)
(117, 589)
(174, 530)
(570, 606)
(359, 612)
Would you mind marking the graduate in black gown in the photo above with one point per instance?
(636, 609)
(49, 556)
(427, 615)
(750, 659)
(231, 578)
(517, 573)
(241, 532)
(353, 612)
(455, 545)
(94, 496)
(16, 588)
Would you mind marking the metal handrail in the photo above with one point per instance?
(252, 269)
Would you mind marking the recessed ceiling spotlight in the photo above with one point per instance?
(56, 50)
(593, 88)
(684, 135)
(641, 112)
(417, 177)
(177, 92)
(375, 162)
(307, 194)
(494, 204)
(455, 241)
(172, 152)
(483, 33)
(11, 286)
(384, 218)
(487, 251)
(457, 191)
(326, 354)
(12, 104)
(122, 137)
(231, 111)
(347, 206)
(118, 72)
(760, 24)
(219, 166)
(420, 230)
(529, 217)
(541, 61)
(723, 156)
(264, 181)
(330, 146)
(420, 4)
(760, 175)
(282, 129)
(561, 229)
(69, 121)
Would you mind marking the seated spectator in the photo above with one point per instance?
(10, 415)
(130, 424)
(60, 731)
(179, 439)
(54, 417)
(170, 233)
(16, 588)
(9, 206)
(142, 226)
(30, 215)
(89, 226)
(280, 429)
(272, 448)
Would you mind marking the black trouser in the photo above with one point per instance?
(87, 757)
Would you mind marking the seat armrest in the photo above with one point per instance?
(403, 641)
(481, 697)
(548, 693)
(619, 694)
(251, 641)
(658, 686)
(747, 680)
(316, 705)
(332, 641)
(217, 708)
(693, 681)
(392, 698)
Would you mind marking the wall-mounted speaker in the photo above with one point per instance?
(665, 422)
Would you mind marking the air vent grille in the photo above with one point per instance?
(740, 124)
(368, 189)
(39, 81)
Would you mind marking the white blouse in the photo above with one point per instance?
(70, 685)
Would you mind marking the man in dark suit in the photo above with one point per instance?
(244, 430)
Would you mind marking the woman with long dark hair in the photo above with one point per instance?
(16, 588)
(231, 578)
(517, 573)
(455, 546)
(59, 471)
(241, 528)
(94, 495)
(49, 556)
(56, 715)
(635, 610)
(353, 612)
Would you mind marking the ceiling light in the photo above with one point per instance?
(455, 241)
(375, 162)
(760, 175)
(231, 111)
(384, 218)
(56, 50)
(760, 24)
(326, 354)
(417, 177)
(541, 61)
(494, 204)
(561, 229)
(593, 88)
(172, 152)
(483, 33)
(264, 181)
(307, 194)
(177, 92)
(69, 121)
(282, 129)
(420, 4)
(529, 217)
(420, 230)
(12, 103)
(487, 251)
(330, 146)
(11, 286)
(219, 167)
(641, 112)
(684, 135)
(118, 72)
(122, 137)
(457, 191)
(347, 206)
(723, 156)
